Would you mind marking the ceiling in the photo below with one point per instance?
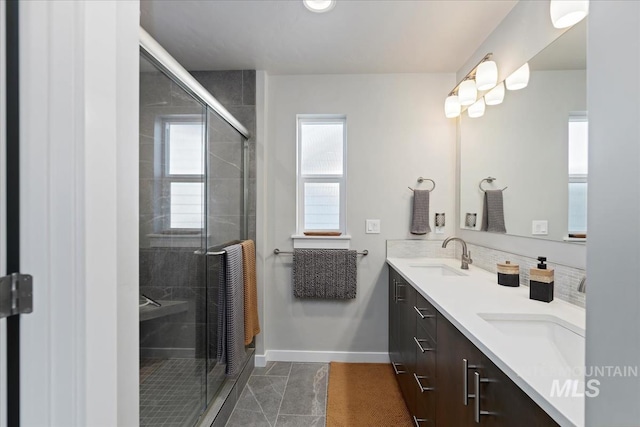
(357, 36)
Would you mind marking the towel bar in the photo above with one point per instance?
(279, 252)
(489, 179)
(421, 180)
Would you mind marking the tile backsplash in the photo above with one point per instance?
(566, 278)
(419, 248)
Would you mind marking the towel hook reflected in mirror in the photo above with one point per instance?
(421, 180)
(489, 179)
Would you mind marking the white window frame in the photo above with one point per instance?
(168, 178)
(576, 116)
(302, 179)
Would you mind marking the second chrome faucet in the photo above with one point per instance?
(466, 255)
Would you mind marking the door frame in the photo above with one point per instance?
(79, 212)
(3, 225)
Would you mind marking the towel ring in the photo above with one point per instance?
(421, 180)
(489, 179)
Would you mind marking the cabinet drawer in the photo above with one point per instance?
(425, 415)
(425, 357)
(426, 315)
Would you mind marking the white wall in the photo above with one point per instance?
(613, 264)
(524, 142)
(79, 217)
(519, 37)
(396, 132)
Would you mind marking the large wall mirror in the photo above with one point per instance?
(535, 144)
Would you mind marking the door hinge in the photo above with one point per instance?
(16, 294)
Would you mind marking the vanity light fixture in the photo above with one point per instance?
(319, 6)
(495, 96)
(565, 13)
(452, 106)
(486, 75)
(465, 92)
(476, 109)
(519, 79)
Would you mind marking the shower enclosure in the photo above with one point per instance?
(192, 203)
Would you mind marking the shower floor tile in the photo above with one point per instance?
(172, 391)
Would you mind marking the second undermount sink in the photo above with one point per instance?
(546, 332)
(437, 269)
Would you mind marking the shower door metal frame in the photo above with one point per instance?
(159, 56)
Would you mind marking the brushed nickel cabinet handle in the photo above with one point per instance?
(478, 411)
(422, 389)
(395, 369)
(423, 316)
(465, 381)
(419, 344)
(417, 421)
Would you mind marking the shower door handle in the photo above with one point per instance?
(209, 253)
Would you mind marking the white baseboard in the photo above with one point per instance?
(320, 356)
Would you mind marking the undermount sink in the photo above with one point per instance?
(438, 269)
(546, 332)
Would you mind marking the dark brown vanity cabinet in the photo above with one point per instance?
(412, 348)
(439, 370)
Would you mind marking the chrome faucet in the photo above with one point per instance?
(582, 287)
(466, 256)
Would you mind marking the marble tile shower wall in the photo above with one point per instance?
(236, 90)
(172, 272)
(566, 278)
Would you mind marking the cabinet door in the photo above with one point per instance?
(425, 378)
(453, 349)
(393, 332)
(406, 298)
(506, 403)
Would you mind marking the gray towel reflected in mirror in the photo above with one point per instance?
(493, 212)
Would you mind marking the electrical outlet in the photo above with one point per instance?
(539, 227)
(372, 226)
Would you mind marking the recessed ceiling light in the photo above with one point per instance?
(319, 6)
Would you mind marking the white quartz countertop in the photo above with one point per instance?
(533, 367)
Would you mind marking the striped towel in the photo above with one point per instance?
(324, 273)
(493, 212)
(231, 311)
(251, 321)
(420, 219)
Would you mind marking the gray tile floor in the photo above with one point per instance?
(283, 394)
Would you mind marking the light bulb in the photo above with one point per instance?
(476, 109)
(495, 96)
(519, 79)
(452, 107)
(319, 6)
(486, 75)
(565, 13)
(467, 92)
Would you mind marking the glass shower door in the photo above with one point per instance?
(173, 243)
(225, 223)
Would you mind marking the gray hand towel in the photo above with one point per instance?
(324, 273)
(420, 220)
(231, 310)
(493, 212)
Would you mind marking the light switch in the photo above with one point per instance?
(539, 227)
(373, 226)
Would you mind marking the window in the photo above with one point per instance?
(184, 173)
(578, 171)
(321, 173)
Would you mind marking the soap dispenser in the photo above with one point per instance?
(541, 282)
